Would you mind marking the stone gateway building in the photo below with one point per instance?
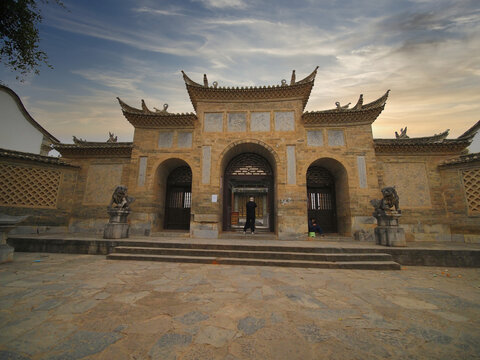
(196, 171)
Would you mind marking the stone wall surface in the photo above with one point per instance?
(97, 178)
(432, 198)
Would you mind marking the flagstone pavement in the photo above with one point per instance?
(62, 306)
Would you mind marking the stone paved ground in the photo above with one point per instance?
(58, 306)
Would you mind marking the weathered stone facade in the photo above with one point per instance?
(267, 126)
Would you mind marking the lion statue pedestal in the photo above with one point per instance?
(7, 223)
(119, 209)
(387, 232)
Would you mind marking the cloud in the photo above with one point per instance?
(222, 4)
(158, 11)
(421, 50)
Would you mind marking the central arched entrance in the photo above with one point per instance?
(248, 174)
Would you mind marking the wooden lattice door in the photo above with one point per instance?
(178, 200)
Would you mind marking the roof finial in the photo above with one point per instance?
(205, 80)
(403, 134)
(344, 107)
(112, 138)
(292, 81)
(215, 84)
(284, 82)
(165, 107)
(78, 141)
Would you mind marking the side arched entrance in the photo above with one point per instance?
(178, 198)
(248, 174)
(321, 198)
(328, 196)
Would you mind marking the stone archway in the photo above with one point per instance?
(328, 199)
(173, 195)
(178, 199)
(248, 169)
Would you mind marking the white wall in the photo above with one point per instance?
(16, 132)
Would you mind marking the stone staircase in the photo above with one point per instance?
(257, 255)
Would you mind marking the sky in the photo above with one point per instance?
(427, 52)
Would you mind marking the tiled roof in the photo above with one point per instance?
(98, 149)
(430, 144)
(359, 114)
(145, 118)
(296, 90)
(464, 159)
(11, 154)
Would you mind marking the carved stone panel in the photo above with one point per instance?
(101, 182)
(315, 138)
(142, 170)
(410, 181)
(335, 138)
(284, 121)
(184, 139)
(165, 139)
(237, 122)
(213, 122)
(260, 121)
(291, 166)
(206, 164)
(362, 172)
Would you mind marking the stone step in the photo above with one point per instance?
(254, 254)
(252, 247)
(170, 234)
(359, 265)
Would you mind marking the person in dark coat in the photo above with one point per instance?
(250, 216)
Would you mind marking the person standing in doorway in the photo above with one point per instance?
(250, 216)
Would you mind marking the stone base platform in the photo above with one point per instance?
(416, 254)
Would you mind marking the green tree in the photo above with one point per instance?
(19, 44)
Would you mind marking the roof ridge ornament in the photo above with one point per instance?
(205, 80)
(112, 138)
(403, 134)
(292, 80)
(78, 141)
(165, 107)
(339, 107)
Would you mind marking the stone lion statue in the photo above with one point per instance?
(390, 199)
(120, 199)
